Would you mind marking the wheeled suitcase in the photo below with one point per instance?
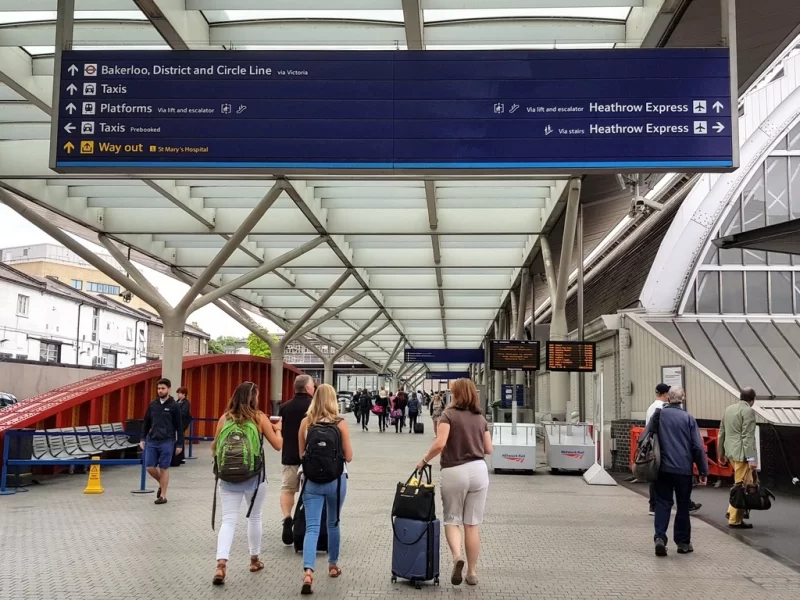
(419, 427)
(299, 528)
(415, 551)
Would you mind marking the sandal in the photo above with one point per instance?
(334, 571)
(308, 580)
(458, 572)
(219, 576)
(255, 564)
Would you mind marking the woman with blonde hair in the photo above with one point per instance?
(463, 440)
(437, 408)
(242, 418)
(325, 447)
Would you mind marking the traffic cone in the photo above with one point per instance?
(93, 486)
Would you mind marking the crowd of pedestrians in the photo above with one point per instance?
(400, 409)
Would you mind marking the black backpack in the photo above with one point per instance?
(323, 460)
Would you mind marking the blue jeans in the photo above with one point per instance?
(681, 486)
(313, 497)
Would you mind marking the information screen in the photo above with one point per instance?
(571, 356)
(511, 355)
(381, 112)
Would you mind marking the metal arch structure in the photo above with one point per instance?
(434, 259)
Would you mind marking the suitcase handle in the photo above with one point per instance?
(416, 541)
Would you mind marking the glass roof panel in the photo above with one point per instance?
(230, 16)
(50, 50)
(616, 13)
(8, 18)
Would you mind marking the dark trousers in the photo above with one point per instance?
(652, 495)
(382, 420)
(364, 419)
(680, 486)
(357, 413)
(412, 420)
(400, 422)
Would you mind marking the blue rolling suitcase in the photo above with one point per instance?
(415, 551)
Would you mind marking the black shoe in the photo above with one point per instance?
(740, 526)
(160, 501)
(694, 507)
(685, 549)
(661, 547)
(286, 536)
(158, 493)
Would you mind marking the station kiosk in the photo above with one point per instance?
(569, 446)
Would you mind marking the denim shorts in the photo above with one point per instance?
(159, 453)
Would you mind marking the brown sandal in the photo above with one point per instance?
(308, 581)
(334, 571)
(255, 564)
(219, 576)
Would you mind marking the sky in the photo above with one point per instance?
(16, 231)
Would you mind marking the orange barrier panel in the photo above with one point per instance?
(710, 438)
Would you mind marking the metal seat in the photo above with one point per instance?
(122, 440)
(41, 450)
(71, 445)
(110, 440)
(98, 441)
(58, 445)
(85, 441)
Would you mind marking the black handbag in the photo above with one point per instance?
(751, 496)
(416, 502)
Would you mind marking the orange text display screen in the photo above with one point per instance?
(514, 356)
(571, 356)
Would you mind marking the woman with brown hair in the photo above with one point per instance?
(463, 440)
(243, 417)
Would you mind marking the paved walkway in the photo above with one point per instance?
(545, 536)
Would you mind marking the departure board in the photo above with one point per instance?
(571, 356)
(512, 355)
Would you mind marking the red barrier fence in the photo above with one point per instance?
(710, 438)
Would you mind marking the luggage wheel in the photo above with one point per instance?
(435, 581)
(417, 585)
(394, 579)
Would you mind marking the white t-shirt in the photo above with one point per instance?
(652, 410)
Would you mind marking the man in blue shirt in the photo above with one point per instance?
(681, 449)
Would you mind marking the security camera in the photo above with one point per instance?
(126, 296)
(642, 206)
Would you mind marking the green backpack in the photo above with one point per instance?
(239, 456)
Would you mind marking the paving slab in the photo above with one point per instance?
(545, 536)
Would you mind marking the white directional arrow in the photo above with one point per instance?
(69, 127)
(72, 70)
(719, 127)
(717, 106)
(72, 89)
(71, 108)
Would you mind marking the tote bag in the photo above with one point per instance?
(415, 499)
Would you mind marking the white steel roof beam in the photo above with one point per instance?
(86, 33)
(182, 29)
(343, 5)
(414, 24)
(16, 71)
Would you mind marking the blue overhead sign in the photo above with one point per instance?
(442, 355)
(394, 111)
(447, 375)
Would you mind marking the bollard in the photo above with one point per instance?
(93, 486)
(142, 481)
(4, 471)
(191, 441)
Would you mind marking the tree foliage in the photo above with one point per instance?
(259, 347)
(217, 345)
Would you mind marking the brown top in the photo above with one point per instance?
(465, 441)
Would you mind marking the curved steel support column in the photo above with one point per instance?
(276, 378)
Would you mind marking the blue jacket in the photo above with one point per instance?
(680, 442)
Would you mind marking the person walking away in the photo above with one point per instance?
(325, 448)
(365, 407)
(681, 448)
(239, 454)
(383, 402)
(413, 411)
(162, 437)
(400, 404)
(182, 401)
(292, 414)
(662, 399)
(463, 440)
(437, 407)
(357, 406)
(737, 445)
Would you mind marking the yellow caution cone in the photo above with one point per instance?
(93, 486)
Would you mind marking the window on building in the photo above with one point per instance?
(77, 284)
(102, 288)
(49, 352)
(95, 323)
(141, 335)
(23, 305)
(129, 334)
(109, 359)
(24, 252)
